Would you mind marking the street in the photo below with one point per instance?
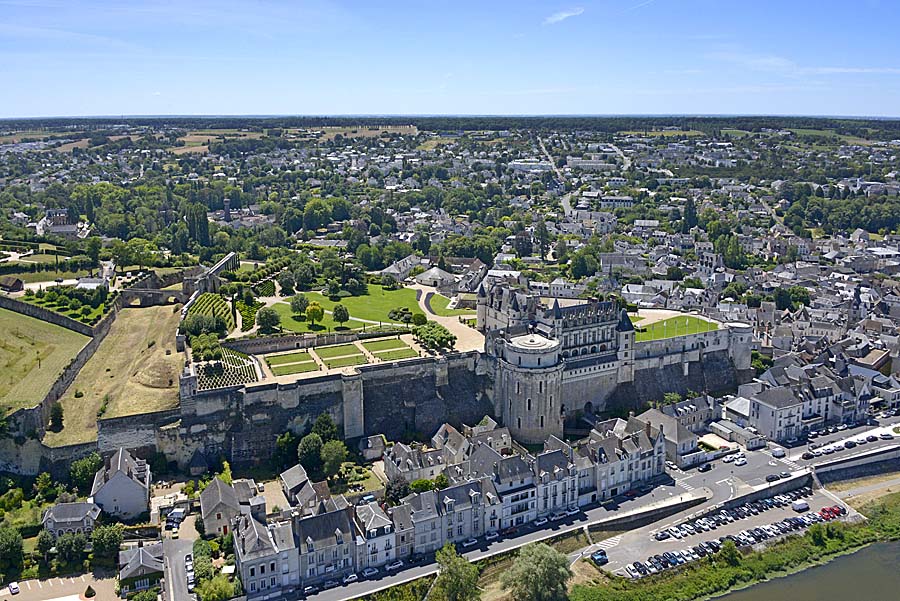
(174, 551)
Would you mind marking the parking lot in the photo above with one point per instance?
(62, 589)
(638, 545)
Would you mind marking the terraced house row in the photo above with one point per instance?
(493, 485)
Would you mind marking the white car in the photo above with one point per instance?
(740, 461)
(778, 452)
(632, 571)
(470, 543)
(14, 588)
(369, 572)
(394, 566)
(727, 458)
(556, 516)
(671, 465)
(491, 535)
(572, 511)
(540, 522)
(350, 578)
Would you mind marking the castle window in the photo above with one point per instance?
(519, 422)
(517, 388)
(541, 386)
(529, 404)
(542, 421)
(539, 360)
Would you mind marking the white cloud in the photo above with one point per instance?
(862, 70)
(563, 15)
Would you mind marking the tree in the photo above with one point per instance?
(44, 487)
(267, 319)
(107, 540)
(783, 299)
(539, 573)
(309, 452)
(817, 535)
(215, 589)
(45, 542)
(433, 335)
(314, 312)
(285, 279)
(419, 319)
(421, 485)
(730, 553)
(299, 302)
(325, 427)
(82, 471)
(285, 450)
(543, 238)
(10, 548)
(340, 313)
(144, 596)
(441, 482)
(334, 454)
(671, 398)
(70, 547)
(457, 579)
(92, 250)
(396, 488)
(56, 416)
(203, 567)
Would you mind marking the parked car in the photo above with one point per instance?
(773, 478)
(599, 557)
(556, 516)
(572, 511)
(740, 461)
(13, 588)
(395, 565)
(350, 578)
(705, 467)
(778, 452)
(491, 535)
(470, 543)
(540, 522)
(662, 535)
(369, 572)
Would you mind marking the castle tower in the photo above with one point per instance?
(527, 387)
(740, 339)
(625, 335)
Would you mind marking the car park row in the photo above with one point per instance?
(750, 536)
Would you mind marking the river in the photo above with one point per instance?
(872, 574)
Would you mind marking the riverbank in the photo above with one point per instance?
(715, 576)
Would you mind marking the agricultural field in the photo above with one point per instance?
(362, 131)
(663, 133)
(135, 370)
(373, 306)
(213, 304)
(672, 327)
(32, 354)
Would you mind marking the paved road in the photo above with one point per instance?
(174, 551)
(559, 174)
(565, 201)
(625, 160)
(795, 453)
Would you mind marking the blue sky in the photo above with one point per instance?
(118, 57)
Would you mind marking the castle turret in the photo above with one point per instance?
(527, 389)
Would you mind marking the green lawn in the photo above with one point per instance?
(374, 306)
(345, 361)
(32, 355)
(384, 345)
(288, 358)
(406, 353)
(49, 276)
(64, 309)
(295, 368)
(327, 352)
(298, 324)
(674, 326)
(439, 302)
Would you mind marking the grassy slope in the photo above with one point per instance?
(137, 376)
(439, 304)
(292, 324)
(374, 306)
(24, 340)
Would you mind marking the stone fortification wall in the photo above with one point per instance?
(32, 420)
(262, 345)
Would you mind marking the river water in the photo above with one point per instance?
(872, 574)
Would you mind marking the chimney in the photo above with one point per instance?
(647, 428)
(630, 414)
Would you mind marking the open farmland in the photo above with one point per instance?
(32, 354)
(135, 369)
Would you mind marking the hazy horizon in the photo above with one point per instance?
(564, 58)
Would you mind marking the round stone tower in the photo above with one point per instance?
(739, 345)
(527, 387)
